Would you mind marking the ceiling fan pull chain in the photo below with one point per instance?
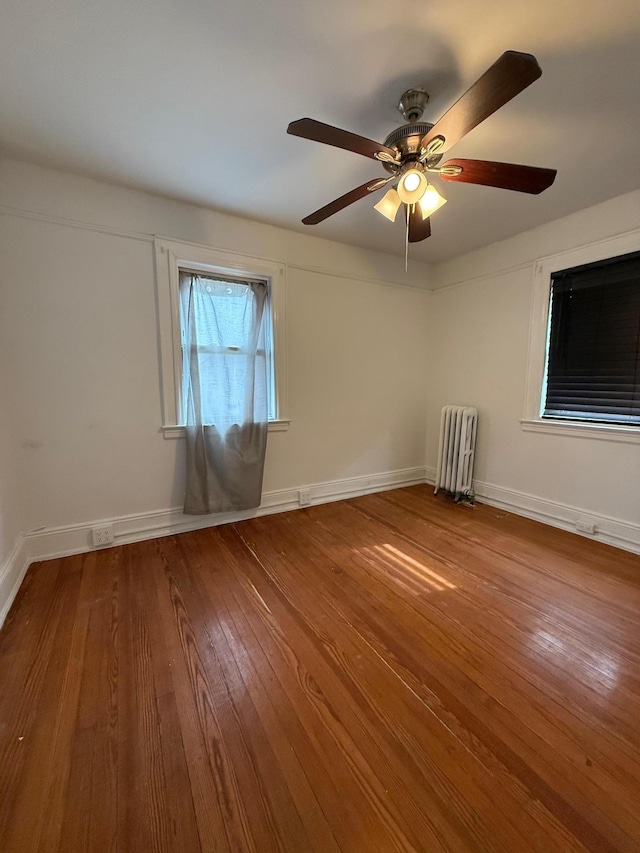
(406, 241)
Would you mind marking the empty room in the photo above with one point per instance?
(319, 426)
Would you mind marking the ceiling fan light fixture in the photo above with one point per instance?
(389, 204)
(410, 153)
(431, 201)
(412, 186)
(411, 182)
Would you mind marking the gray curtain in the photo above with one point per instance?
(225, 396)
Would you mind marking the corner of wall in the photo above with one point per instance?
(12, 572)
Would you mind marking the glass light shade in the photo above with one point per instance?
(412, 186)
(431, 201)
(389, 204)
(411, 182)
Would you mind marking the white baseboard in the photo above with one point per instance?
(612, 531)
(49, 543)
(12, 572)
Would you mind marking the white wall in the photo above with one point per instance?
(479, 335)
(81, 336)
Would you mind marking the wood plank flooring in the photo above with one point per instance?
(389, 673)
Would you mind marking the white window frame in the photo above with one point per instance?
(170, 257)
(535, 390)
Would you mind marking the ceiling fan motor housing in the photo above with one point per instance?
(406, 140)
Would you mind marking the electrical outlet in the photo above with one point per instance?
(102, 536)
(304, 497)
(585, 527)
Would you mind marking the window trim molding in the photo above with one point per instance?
(580, 429)
(543, 268)
(172, 255)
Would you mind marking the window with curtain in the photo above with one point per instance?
(222, 270)
(223, 308)
(593, 353)
(225, 382)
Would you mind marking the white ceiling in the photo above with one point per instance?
(192, 99)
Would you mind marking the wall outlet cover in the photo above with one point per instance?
(102, 536)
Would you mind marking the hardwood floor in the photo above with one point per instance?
(390, 673)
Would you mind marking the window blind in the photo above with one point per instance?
(593, 369)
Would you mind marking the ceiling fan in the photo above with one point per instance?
(413, 151)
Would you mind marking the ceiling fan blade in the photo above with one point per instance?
(345, 200)
(309, 128)
(506, 78)
(419, 228)
(506, 176)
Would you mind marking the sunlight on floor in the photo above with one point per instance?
(409, 569)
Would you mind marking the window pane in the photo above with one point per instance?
(593, 370)
(223, 310)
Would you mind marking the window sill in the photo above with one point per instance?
(607, 432)
(179, 431)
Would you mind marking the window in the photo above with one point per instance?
(583, 368)
(226, 276)
(593, 352)
(223, 321)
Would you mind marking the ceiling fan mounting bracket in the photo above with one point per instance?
(412, 104)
